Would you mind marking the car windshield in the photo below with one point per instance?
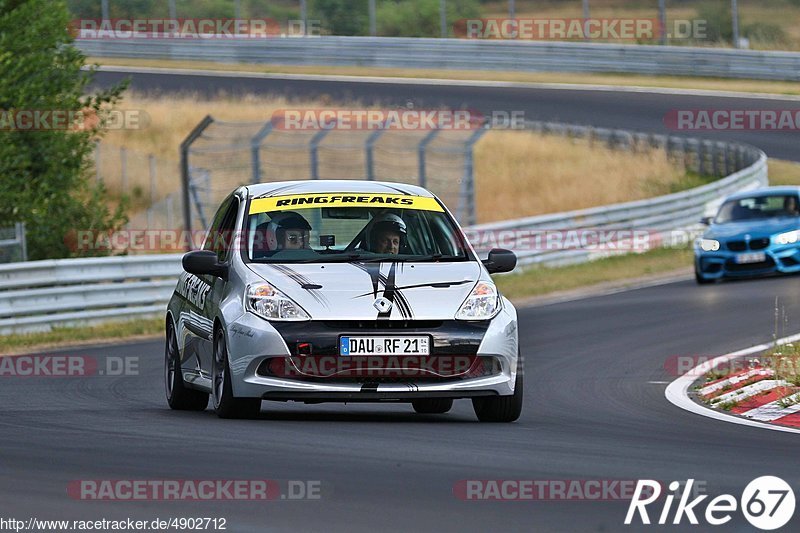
(758, 207)
(321, 228)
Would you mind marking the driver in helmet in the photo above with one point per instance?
(286, 231)
(387, 234)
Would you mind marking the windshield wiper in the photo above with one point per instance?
(440, 257)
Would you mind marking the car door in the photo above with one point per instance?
(199, 308)
(218, 240)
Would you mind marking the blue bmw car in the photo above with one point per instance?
(754, 233)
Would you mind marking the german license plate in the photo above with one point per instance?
(755, 257)
(418, 345)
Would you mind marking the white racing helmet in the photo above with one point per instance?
(384, 223)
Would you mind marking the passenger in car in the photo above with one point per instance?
(388, 234)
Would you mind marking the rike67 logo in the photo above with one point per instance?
(767, 503)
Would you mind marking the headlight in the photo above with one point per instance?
(708, 245)
(268, 302)
(790, 237)
(482, 304)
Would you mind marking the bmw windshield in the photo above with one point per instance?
(322, 228)
(758, 208)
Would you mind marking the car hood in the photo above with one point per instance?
(347, 291)
(754, 228)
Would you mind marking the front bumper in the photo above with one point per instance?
(254, 343)
(722, 263)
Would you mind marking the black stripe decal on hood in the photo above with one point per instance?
(391, 291)
(303, 282)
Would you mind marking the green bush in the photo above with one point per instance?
(421, 18)
(45, 175)
(719, 20)
(765, 33)
(342, 17)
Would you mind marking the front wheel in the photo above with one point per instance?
(700, 279)
(225, 403)
(500, 408)
(179, 396)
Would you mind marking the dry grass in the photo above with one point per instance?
(708, 84)
(527, 173)
(60, 337)
(524, 172)
(783, 172)
(173, 117)
(538, 281)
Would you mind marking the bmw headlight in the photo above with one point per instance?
(268, 302)
(482, 304)
(708, 245)
(790, 237)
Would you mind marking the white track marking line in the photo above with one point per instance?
(677, 392)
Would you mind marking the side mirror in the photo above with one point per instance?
(204, 263)
(500, 260)
(706, 221)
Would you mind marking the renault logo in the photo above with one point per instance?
(382, 305)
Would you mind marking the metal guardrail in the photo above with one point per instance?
(463, 54)
(37, 296)
(665, 220)
(40, 295)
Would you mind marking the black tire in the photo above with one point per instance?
(501, 408)
(179, 396)
(225, 403)
(432, 406)
(701, 280)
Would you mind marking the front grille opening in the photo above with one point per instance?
(344, 325)
(711, 267)
(732, 266)
(753, 244)
(380, 369)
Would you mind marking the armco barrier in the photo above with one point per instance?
(462, 54)
(39, 295)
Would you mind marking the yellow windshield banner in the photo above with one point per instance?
(311, 201)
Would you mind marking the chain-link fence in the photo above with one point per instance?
(220, 156)
(152, 185)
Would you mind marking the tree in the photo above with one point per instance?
(342, 17)
(44, 175)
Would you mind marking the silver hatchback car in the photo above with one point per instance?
(341, 291)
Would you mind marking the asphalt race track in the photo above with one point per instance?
(594, 394)
(628, 110)
(590, 413)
